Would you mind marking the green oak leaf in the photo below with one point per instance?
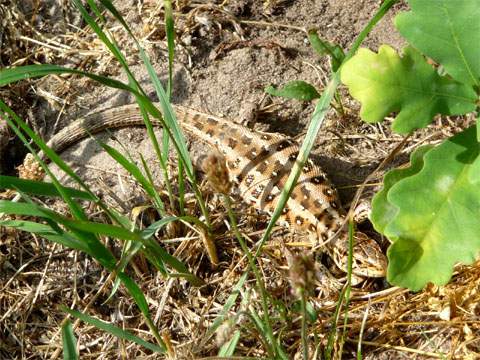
(478, 127)
(447, 31)
(382, 211)
(386, 83)
(297, 89)
(474, 173)
(437, 222)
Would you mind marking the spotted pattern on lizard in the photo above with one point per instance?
(260, 164)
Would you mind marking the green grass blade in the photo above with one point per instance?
(60, 163)
(69, 343)
(111, 45)
(136, 293)
(40, 188)
(77, 211)
(46, 231)
(158, 200)
(85, 226)
(157, 225)
(75, 208)
(170, 32)
(8, 76)
(228, 349)
(164, 98)
(20, 208)
(231, 301)
(88, 232)
(316, 123)
(272, 343)
(275, 349)
(132, 81)
(113, 231)
(103, 256)
(91, 242)
(130, 249)
(172, 127)
(333, 327)
(97, 250)
(141, 302)
(348, 285)
(160, 253)
(134, 171)
(192, 279)
(257, 321)
(157, 262)
(114, 330)
(154, 249)
(94, 245)
(167, 110)
(169, 119)
(94, 229)
(148, 124)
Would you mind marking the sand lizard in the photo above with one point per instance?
(260, 164)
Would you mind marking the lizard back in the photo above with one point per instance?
(260, 164)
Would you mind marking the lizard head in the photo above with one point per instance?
(368, 258)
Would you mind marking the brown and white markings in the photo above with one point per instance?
(260, 164)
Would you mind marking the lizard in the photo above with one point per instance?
(259, 163)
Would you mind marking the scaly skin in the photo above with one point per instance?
(260, 164)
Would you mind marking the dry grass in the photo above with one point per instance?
(37, 276)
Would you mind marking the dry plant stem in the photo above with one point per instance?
(77, 321)
(163, 300)
(12, 278)
(168, 184)
(42, 279)
(10, 121)
(157, 200)
(333, 330)
(303, 303)
(258, 277)
(362, 329)
(348, 285)
(362, 187)
(94, 298)
(400, 348)
(272, 24)
(181, 189)
(229, 358)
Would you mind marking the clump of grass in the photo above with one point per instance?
(80, 233)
